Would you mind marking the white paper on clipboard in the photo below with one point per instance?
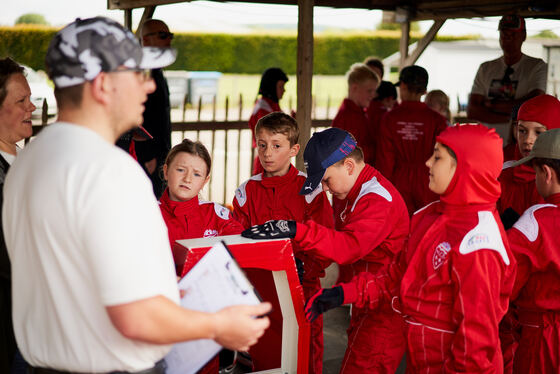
(214, 283)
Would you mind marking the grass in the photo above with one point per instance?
(325, 88)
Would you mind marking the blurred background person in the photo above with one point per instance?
(271, 89)
(15, 125)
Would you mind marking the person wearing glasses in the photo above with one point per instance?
(91, 261)
(507, 81)
(151, 153)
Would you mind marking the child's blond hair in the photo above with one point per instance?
(279, 123)
(439, 98)
(359, 73)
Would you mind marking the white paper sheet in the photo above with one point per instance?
(214, 283)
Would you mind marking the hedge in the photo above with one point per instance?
(230, 53)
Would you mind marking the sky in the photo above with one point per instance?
(207, 16)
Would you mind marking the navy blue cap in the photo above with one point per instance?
(324, 149)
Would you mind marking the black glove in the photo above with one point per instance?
(272, 230)
(323, 300)
(509, 217)
(300, 269)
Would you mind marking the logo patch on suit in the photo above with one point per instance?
(440, 254)
(209, 233)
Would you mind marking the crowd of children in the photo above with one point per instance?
(414, 221)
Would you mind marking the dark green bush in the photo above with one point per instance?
(241, 54)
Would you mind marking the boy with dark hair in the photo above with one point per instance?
(384, 102)
(407, 137)
(273, 194)
(371, 223)
(534, 243)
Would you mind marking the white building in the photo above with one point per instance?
(452, 66)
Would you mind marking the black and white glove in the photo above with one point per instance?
(325, 299)
(275, 229)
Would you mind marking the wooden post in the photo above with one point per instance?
(424, 42)
(128, 18)
(147, 14)
(227, 108)
(240, 107)
(405, 38)
(304, 74)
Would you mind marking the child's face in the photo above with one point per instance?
(388, 102)
(442, 168)
(275, 152)
(280, 89)
(337, 180)
(527, 134)
(363, 92)
(185, 176)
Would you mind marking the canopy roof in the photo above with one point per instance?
(413, 10)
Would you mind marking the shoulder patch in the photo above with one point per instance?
(241, 193)
(372, 186)
(221, 211)
(508, 164)
(485, 235)
(262, 104)
(527, 224)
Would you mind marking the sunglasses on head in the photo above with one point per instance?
(161, 34)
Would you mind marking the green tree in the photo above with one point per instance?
(32, 18)
(546, 34)
(414, 26)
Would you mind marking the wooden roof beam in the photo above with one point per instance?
(423, 43)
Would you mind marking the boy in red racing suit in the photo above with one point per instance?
(371, 225)
(453, 283)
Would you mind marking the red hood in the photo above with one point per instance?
(479, 163)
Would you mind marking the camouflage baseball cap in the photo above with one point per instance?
(86, 47)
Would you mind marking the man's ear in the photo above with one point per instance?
(99, 87)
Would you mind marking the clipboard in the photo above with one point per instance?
(215, 282)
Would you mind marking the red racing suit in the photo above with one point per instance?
(371, 226)
(375, 113)
(197, 219)
(406, 141)
(261, 199)
(535, 245)
(453, 282)
(353, 118)
(519, 190)
(263, 106)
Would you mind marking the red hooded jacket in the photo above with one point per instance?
(457, 272)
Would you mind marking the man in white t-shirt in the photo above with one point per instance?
(95, 288)
(507, 81)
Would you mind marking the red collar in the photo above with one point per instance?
(366, 174)
(289, 177)
(349, 105)
(178, 208)
(523, 173)
(553, 199)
